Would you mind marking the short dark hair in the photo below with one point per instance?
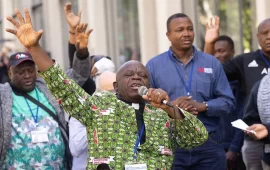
(226, 38)
(177, 15)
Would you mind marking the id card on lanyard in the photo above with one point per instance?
(137, 165)
(187, 86)
(40, 134)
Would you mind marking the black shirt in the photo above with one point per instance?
(248, 68)
(251, 112)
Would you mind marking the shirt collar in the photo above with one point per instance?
(136, 106)
(173, 56)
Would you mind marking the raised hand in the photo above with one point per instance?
(82, 37)
(71, 18)
(212, 30)
(24, 29)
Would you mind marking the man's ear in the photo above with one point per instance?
(9, 73)
(168, 35)
(115, 86)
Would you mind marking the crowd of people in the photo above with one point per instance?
(93, 117)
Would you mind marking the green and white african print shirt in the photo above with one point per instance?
(112, 130)
(22, 153)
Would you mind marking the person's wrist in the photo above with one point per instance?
(83, 53)
(33, 47)
(210, 42)
(72, 29)
(202, 107)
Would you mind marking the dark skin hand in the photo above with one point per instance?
(231, 160)
(189, 105)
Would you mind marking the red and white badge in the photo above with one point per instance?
(98, 161)
(205, 70)
(165, 151)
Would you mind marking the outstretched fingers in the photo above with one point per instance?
(14, 22)
(84, 27)
(11, 31)
(67, 8)
(39, 33)
(19, 16)
(79, 28)
(27, 16)
(217, 22)
(89, 32)
(80, 13)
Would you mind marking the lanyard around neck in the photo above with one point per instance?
(265, 60)
(137, 143)
(187, 86)
(35, 117)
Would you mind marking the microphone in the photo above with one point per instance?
(142, 90)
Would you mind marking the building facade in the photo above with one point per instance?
(134, 29)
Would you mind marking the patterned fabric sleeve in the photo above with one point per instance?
(70, 95)
(189, 132)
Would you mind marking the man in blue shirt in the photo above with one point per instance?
(193, 77)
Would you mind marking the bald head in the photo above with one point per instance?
(263, 36)
(263, 24)
(129, 64)
(129, 78)
(105, 81)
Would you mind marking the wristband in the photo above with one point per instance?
(72, 32)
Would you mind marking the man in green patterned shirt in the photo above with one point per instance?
(122, 130)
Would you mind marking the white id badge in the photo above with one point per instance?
(39, 136)
(140, 166)
(267, 148)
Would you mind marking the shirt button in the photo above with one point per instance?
(186, 76)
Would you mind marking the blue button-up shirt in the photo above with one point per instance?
(209, 83)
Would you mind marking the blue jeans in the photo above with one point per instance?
(209, 156)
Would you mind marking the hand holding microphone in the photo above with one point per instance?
(156, 97)
(160, 99)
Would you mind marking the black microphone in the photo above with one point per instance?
(142, 90)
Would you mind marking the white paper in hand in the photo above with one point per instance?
(241, 125)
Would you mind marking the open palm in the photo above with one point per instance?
(82, 36)
(24, 30)
(27, 35)
(72, 19)
(212, 30)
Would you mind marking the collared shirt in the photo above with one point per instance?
(112, 129)
(78, 144)
(209, 83)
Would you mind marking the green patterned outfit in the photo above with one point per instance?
(112, 129)
(22, 152)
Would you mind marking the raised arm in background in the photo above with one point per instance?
(73, 21)
(211, 34)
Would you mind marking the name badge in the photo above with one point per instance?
(39, 136)
(135, 167)
(267, 148)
